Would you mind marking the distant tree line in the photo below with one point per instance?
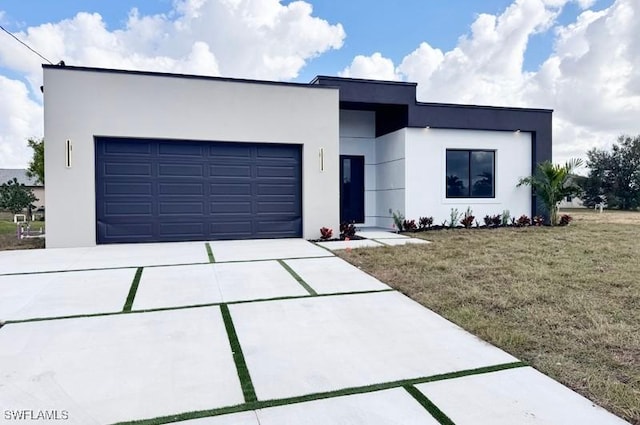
(614, 175)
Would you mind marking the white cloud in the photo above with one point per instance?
(367, 66)
(261, 39)
(20, 119)
(591, 80)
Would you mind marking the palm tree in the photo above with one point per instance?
(551, 182)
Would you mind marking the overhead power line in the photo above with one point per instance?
(25, 44)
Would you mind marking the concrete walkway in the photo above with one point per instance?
(265, 332)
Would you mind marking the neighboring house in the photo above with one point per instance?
(7, 174)
(571, 202)
(144, 157)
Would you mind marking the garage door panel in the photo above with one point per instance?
(123, 147)
(230, 171)
(230, 189)
(127, 189)
(181, 189)
(231, 207)
(181, 229)
(232, 229)
(128, 231)
(156, 190)
(180, 170)
(278, 153)
(128, 208)
(230, 151)
(275, 228)
(180, 149)
(277, 189)
(180, 208)
(277, 171)
(134, 169)
(281, 207)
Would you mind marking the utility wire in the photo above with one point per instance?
(25, 44)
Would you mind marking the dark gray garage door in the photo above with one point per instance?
(158, 190)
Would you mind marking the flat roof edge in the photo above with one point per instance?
(503, 108)
(361, 80)
(186, 76)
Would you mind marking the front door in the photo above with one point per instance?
(351, 188)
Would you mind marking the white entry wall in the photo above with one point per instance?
(426, 169)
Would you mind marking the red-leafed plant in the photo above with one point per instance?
(523, 221)
(326, 233)
(409, 225)
(565, 219)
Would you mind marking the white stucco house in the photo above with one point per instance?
(149, 157)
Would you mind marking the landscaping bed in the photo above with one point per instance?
(564, 299)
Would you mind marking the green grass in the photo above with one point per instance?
(212, 258)
(297, 277)
(238, 357)
(132, 291)
(438, 414)
(563, 299)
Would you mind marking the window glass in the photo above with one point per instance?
(457, 174)
(482, 174)
(470, 174)
(346, 170)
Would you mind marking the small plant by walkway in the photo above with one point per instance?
(563, 299)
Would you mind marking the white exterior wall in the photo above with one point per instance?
(391, 168)
(39, 193)
(357, 137)
(575, 203)
(81, 104)
(426, 168)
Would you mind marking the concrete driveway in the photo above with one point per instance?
(264, 332)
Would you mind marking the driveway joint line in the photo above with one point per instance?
(429, 406)
(263, 404)
(238, 357)
(132, 291)
(297, 277)
(162, 265)
(183, 307)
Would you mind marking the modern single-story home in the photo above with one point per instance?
(8, 174)
(148, 157)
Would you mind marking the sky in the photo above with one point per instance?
(580, 58)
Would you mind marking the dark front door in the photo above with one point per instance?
(170, 190)
(351, 188)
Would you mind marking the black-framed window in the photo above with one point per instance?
(471, 173)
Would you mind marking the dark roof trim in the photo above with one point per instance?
(320, 78)
(186, 76)
(502, 108)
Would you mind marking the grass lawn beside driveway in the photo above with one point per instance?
(9, 240)
(565, 299)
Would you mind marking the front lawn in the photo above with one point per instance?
(9, 240)
(565, 299)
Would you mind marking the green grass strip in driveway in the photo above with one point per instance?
(241, 366)
(319, 396)
(132, 292)
(300, 280)
(438, 414)
(212, 259)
